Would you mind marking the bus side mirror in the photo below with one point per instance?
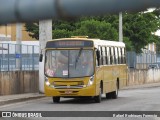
(41, 57)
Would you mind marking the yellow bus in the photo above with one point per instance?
(84, 67)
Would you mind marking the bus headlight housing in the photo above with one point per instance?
(47, 81)
(91, 80)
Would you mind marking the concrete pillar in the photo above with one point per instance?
(18, 46)
(45, 34)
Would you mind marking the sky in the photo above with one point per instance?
(150, 10)
(158, 33)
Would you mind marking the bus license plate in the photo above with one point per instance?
(68, 92)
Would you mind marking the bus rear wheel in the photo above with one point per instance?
(56, 99)
(114, 94)
(108, 95)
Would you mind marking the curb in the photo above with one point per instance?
(15, 100)
(143, 86)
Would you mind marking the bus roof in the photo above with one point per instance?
(96, 41)
(108, 43)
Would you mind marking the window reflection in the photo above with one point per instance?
(69, 63)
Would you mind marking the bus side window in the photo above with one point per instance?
(116, 55)
(110, 55)
(104, 55)
(124, 55)
(98, 57)
(101, 56)
(121, 55)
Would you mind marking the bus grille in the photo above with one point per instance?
(68, 87)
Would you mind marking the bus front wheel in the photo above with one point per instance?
(56, 99)
(98, 97)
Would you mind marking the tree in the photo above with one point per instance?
(157, 14)
(96, 29)
(140, 29)
(33, 29)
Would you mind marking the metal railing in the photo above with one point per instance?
(142, 60)
(27, 59)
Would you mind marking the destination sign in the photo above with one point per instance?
(69, 44)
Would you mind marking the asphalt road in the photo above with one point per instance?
(145, 99)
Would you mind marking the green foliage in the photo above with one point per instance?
(61, 33)
(33, 29)
(138, 29)
(96, 29)
(129, 45)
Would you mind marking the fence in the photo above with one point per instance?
(28, 58)
(11, 60)
(142, 60)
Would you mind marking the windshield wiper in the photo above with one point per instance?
(79, 54)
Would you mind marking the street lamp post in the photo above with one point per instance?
(120, 28)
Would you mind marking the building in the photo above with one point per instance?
(8, 33)
(5, 33)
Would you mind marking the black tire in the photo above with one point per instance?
(56, 99)
(114, 94)
(98, 97)
(108, 95)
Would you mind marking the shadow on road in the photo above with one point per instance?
(84, 100)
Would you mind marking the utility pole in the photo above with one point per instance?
(120, 28)
(45, 34)
(18, 45)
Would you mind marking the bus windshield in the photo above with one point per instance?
(69, 63)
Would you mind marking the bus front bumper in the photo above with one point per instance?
(86, 91)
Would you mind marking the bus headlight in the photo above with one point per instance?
(47, 81)
(91, 80)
